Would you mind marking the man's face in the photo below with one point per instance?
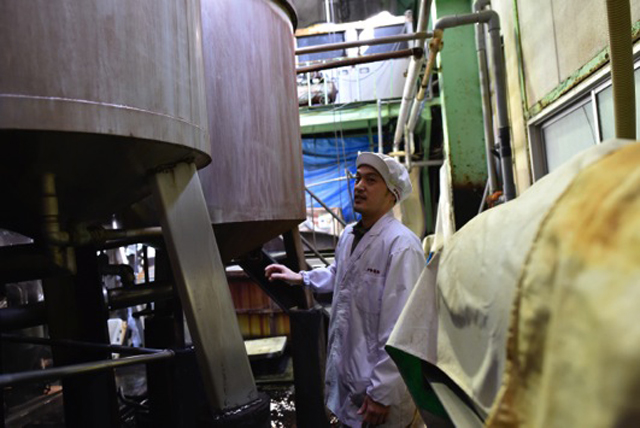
(371, 195)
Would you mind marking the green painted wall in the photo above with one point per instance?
(462, 111)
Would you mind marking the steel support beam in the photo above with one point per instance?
(308, 351)
(308, 344)
(203, 289)
(76, 310)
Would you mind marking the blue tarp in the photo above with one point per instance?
(326, 159)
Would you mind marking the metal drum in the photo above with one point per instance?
(99, 93)
(254, 186)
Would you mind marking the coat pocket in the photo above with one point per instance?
(369, 293)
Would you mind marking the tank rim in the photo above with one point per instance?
(291, 11)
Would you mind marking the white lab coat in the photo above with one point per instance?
(370, 286)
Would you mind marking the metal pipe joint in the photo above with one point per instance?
(489, 17)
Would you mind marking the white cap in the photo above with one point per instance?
(393, 173)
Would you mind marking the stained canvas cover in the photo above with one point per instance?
(458, 315)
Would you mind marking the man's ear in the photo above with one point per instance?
(393, 197)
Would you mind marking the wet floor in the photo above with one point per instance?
(283, 409)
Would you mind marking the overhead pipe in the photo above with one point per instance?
(122, 271)
(428, 163)
(412, 75)
(122, 297)
(365, 59)
(485, 92)
(24, 316)
(492, 20)
(420, 36)
(95, 236)
(621, 54)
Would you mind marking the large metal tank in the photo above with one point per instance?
(254, 186)
(98, 93)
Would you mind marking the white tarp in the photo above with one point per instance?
(464, 298)
(573, 349)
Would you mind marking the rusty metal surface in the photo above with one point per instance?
(89, 90)
(255, 178)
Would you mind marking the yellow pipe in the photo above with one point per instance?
(620, 51)
(435, 45)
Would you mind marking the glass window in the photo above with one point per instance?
(569, 135)
(605, 113)
(391, 30)
(605, 110)
(321, 39)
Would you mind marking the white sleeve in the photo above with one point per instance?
(387, 386)
(321, 280)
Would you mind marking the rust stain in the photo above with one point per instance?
(602, 205)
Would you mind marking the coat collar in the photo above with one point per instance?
(367, 239)
(379, 225)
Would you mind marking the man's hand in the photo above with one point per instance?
(273, 272)
(373, 413)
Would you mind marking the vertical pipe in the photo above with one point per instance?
(504, 132)
(416, 108)
(59, 251)
(380, 145)
(326, 94)
(620, 51)
(50, 223)
(491, 18)
(409, 147)
(412, 74)
(357, 69)
(487, 114)
(309, 88)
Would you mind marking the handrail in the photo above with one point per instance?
(325, 206)
(149, 355)
(314, 250)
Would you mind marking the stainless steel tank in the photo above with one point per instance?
(99, 93)
(254, 186)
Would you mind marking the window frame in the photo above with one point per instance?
(566, 104)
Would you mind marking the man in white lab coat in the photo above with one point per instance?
(378, 261)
